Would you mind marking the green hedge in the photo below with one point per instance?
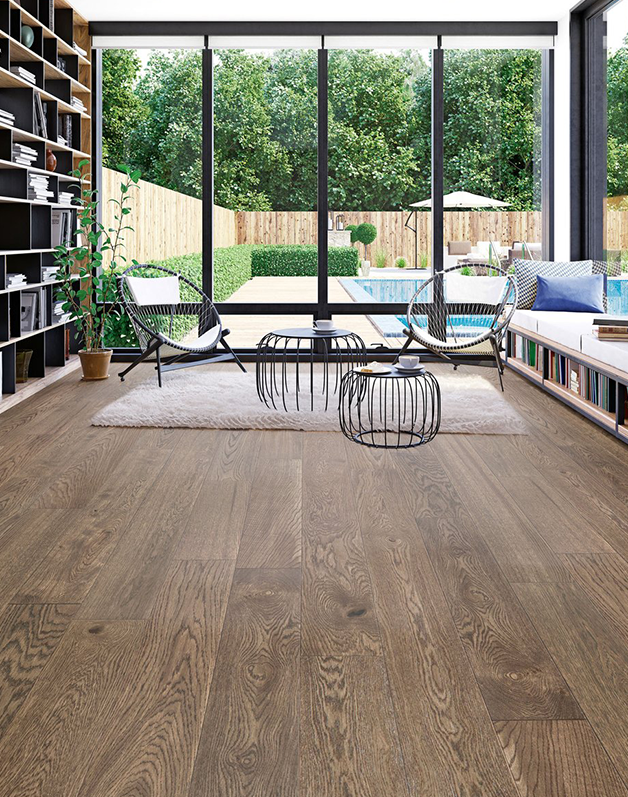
(302, 261)
(232, 268)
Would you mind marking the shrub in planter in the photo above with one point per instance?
(365, 233)
(301, 261)
(401, 262)
(380, 258)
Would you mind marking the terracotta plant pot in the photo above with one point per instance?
(95, 364)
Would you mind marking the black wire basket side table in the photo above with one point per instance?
(339, 350)
(391, 410)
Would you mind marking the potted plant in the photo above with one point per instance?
(86, 289)
(365, 233)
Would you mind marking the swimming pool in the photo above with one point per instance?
(402, 289)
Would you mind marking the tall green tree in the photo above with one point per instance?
(122, 108)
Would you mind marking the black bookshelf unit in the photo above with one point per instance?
(45, 94)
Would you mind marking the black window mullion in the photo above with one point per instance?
(437, 156)
(322, 194)
(208, 171)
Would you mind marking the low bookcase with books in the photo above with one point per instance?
(45, 131)
(596, 390)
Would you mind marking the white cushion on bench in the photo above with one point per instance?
(566, 329)
(526, 319)
(610, 352)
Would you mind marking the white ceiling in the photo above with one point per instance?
(323, 10)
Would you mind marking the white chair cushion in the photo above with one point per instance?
(566, 329)
(154, 290)
(206, 340)
(480, 290)
(610, 352)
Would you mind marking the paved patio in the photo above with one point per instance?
(246, 330)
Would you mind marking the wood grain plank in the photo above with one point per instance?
(558, 759)
(447, 737)
(604, 577)
(127, 586)
(271, 537)
(517, 677)
(348, 740)
(91, 533)
(49, 751)
(28, 637)
(520, 550)
(590, 655)
(249, 741)
(149, 745)
(338, 616)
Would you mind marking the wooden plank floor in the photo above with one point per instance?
(197, 613)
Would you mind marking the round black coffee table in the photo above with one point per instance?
(340, 351)
(396, 409)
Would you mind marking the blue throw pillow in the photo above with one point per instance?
(584, 294)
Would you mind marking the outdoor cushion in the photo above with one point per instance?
(207, 339)
(459, 247)
(526, 319)
(526, 272)
(475, 290)
(583, 294)
(610, 352)
(154, 290)
(565, 329)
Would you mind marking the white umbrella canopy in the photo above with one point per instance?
(464, 199)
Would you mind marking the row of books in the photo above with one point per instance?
(61, 228)
(23, 154)
(38, 188)
(65, 129)
(48, 273)
(611, 328)
(7, 118)
(25, 74)
(527, 351)
(34, 310)
(40, 116)
(78, 103)
(585, 382)
(15, 280)
(59, 315)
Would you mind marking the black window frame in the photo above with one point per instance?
(322, 308)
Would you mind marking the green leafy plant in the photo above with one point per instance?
(424, 260)
(365, 234)
(352, 228)
(85, 287)
(380, 258)
(302, 261)
(401, 262)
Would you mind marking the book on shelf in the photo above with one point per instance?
(78, 104)
(65, 125)
(80, 50)
(7, 118)
(612, 334)
(51, 14)
(65, 198)
(13, 280)
(61, 228)
(611, 321)
(24, 74)
(40, 121)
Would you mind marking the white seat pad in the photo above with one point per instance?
(609, 352)
(526, 319)
(566, 329)
(206, 340)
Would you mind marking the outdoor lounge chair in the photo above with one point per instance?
(166, 309)
(453, 313)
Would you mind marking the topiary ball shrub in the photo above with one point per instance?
(352, 228)
(365, 233)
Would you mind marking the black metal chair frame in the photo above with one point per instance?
(151, 341)
(502, 313)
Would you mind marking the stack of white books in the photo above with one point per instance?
(78, 104)
(24, 74)
(15, 280)
(48, 273)
(79, 49)
(59, 316)
(65, 198)
(24, 155)
(7, 118)
(38, 188)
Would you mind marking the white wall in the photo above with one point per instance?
(562, 170)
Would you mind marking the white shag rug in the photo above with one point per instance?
(228, 400)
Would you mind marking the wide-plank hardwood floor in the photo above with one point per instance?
(199, 613)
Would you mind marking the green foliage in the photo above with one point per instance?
(617, 77)
(380, 258)
(401, 262)
(365, 234)
(302, 261)
(122, 109)
(84, 298)
(232, 268)
(265, 134)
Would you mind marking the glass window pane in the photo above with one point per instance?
(492, 157)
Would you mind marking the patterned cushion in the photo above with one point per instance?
(526, 272)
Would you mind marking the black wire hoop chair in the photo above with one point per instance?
(167, 309)
(455, 312)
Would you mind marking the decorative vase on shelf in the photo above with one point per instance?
(51, 160)
(27, 36)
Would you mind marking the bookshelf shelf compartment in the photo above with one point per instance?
(30, 226)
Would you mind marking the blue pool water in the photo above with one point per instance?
(403, 289)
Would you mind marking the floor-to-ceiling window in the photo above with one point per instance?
(251, 127)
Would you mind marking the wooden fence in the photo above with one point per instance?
(168, 223)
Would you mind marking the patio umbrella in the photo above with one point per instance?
(457, 199)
